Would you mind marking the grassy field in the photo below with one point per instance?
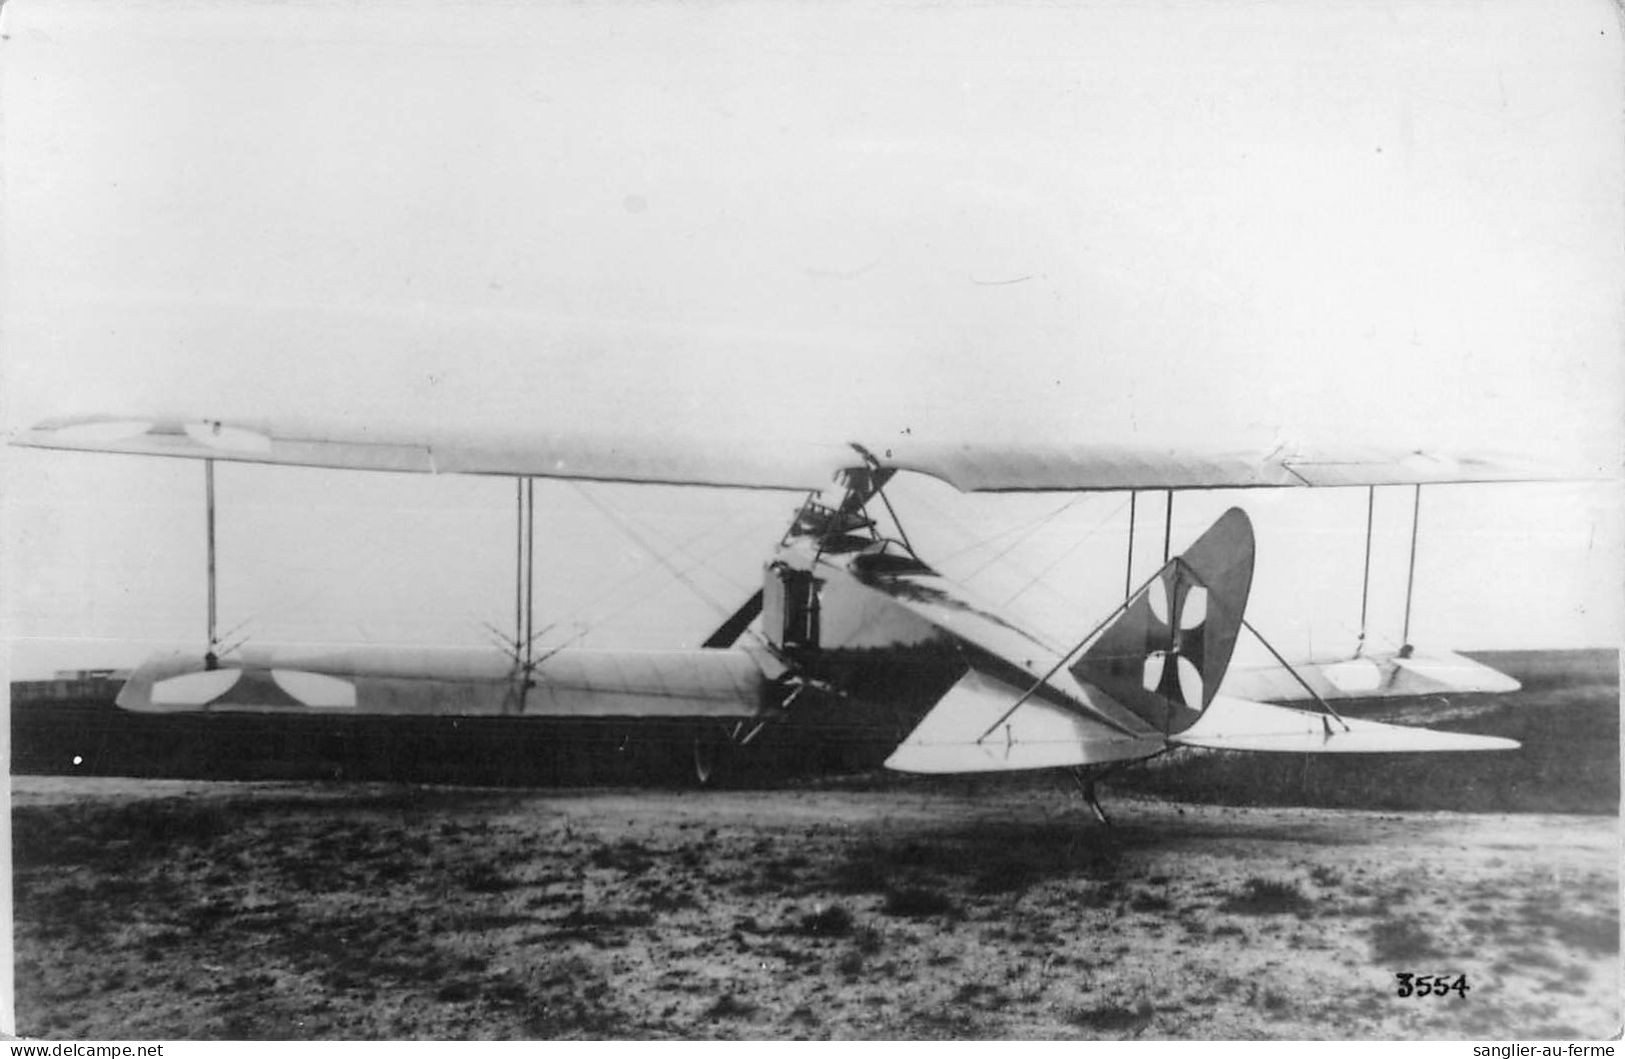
(221, 910)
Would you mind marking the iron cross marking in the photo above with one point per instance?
(1172, 642)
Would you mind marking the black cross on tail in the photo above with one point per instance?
(1166, 655)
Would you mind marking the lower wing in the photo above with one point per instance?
(575, 682)
(1382, 675)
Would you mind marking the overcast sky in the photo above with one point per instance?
(1162, 223)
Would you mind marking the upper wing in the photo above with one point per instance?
(981, 468)
(648, 460)
(654, 459)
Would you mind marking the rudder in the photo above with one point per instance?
(1165, 656)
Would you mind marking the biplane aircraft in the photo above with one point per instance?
(850, 621)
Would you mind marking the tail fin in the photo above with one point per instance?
(1166, 655)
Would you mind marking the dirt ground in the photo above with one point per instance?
(178, 909)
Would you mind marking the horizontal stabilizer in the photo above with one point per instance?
(1371, 676)
(1236, 724)
(954, 736)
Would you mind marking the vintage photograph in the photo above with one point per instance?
(784, 520)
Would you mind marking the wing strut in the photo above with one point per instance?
(524, 586)
(211, 657)
(1405, 647)
(1167, 526)
(1365, 581)
(1128, 567)
(518, 564)
(530, 586)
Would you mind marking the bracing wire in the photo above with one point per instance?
(1082, 539)
(633, 575)
(1020, 539)
(1024, 530)
(585, 623)
(580, 619)
(1067, 657)
(682, 548)
(1020, 533)
(643, 597)
(677, 572)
